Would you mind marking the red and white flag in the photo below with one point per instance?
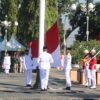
(52, 43)
(33, 52)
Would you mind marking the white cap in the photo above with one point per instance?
(93, 51)
(86, 51)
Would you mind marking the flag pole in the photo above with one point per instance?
(41, 26)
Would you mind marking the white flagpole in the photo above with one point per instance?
(41, 26)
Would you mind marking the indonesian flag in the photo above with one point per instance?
(52, 43)
(33, 52)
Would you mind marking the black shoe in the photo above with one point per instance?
(45, 89)
(34, 87)
(42, 89)
(48, 87)
(28, 85)
(68, 88)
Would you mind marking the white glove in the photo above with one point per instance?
(87, 63)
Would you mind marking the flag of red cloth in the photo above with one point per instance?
(34, 45)
(52, 38)
(52, 43)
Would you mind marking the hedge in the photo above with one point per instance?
(79, 47)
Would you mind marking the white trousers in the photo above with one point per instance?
(28, 76)
(7, 71)
(7, 68)
(44, 77)
(87, 74)
(22, 67)
(92, 80)
(67, 75)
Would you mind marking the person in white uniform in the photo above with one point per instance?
(28, 69)
(7, 63)
(67, 68)
(21, 64)
(44, 61)
(85, 66)
(62, 61)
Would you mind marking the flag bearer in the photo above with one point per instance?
(67, 68)
(44, 61)
(92, 67)
(28, 69)
(86, 67)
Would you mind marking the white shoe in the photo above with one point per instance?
(58, 68)
(86, 84)
(93, 87)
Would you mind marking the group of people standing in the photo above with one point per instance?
(89, 65)
(45, 59)
(13, 63)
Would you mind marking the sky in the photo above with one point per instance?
(83, 1)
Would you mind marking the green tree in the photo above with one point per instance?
(29, 18)
(79, 47)
(64, 6)
(9, 8)
(51, 13)
(2, 10)
(79, 20)
(95, 21)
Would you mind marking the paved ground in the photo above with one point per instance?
(12, 88)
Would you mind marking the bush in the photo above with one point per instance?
(79, 47)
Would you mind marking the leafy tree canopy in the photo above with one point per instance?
(29, 18)
(79, 47)
(9, 8)
(79, 20)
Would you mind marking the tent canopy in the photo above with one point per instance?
(12, 45)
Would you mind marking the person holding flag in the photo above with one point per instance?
(44, 60)
(28, 69)
(85, 67)
(67, 68)
(92, 67)
(52, 42)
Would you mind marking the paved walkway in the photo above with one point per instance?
(12, 88)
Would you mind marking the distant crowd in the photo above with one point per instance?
(20, 62)
(13, 63)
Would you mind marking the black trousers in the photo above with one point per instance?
(37, 81)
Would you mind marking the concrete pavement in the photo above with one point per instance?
(12, 88)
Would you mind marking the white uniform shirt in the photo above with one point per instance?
(62, 60)
(7, 61)
(44, 60)
(21, 59)
(67, 61)
(27, 62)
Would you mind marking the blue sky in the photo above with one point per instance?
(83, 1)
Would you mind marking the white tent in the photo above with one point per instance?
(12, 45)
(15, 45)
(4, 47)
